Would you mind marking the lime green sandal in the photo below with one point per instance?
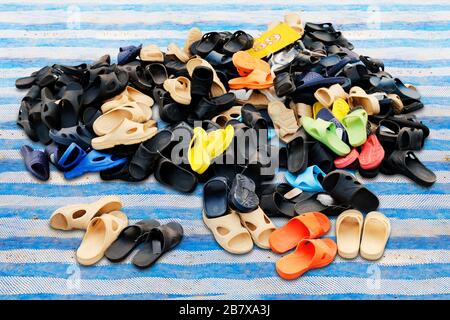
(355, 124)
(325, 132)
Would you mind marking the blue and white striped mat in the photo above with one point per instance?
(413, 38)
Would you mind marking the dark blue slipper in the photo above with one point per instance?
(36, 162)
(128, 54)
(242, 196)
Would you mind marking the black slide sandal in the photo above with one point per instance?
(321, 156)
(24, 122)
(41, 129)
(279, 200)
(174, 176)
(297, 152)
(239, 41)
(407, 164)
(79, 134)
(50, 111)
(158, 241)
(129, 239)
(347, 190)
(215, 197)
(118, 173)
(308, 202)
(71, 102)
(208, 43)
(156, 73)
(106, 86)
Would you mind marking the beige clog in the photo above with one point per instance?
(151, 53)
(179, 89)
(259, 226)
(113, 118)
(359, 98)
(376, 231)
(348, 233)
(326, 96)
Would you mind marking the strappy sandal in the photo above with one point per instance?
(394, 85)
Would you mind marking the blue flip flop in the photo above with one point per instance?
(327, 115)
(128, 54)
(71, 157)
(309, 180)
(94, 161)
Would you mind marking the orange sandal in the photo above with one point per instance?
(245, 63)
(308, 225)
(310, 254)
(257, 79)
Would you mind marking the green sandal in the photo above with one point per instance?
(325, 132)
(355, 124)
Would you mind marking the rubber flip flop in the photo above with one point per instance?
(242, 196)
(326, 115)
(327, 96)
(325, 132)
(309, 225)
(259, 226)
(151, 53)
(158, 241)
(349, 227)
(347, 190)
(172, 175)
(340, 109)
(377, 229)
(359, 98)
(217, 88)
(310, 254)
(78, 216)
(257, 79)
(355, 124)
(283, 120)
(407, 164)
(36, 162)
(71, 157)
(298, 151)
(128, 54)
(219, 140)
(100, 234)
(309, 180)
(130, 238)
(372, 153)
(127, 133)
(94, 161)
(350, 161)
(179, 89)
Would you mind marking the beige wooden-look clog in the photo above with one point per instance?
(224, 117)
(376, 231)
(179, 89)
(78, 216)
(110, 120)
(174, 50)
(348, 233)
(151, 53)
(326, 96)
(259, 226)
(128, 132)
(100, 234)
(294, 21)
(229, 233)
(283, 119)
(130, 94)
(217, 88)
(194, 34)
(359, 98)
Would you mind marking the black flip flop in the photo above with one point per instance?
(407, 164)
(79, 134)
(157, 242)
(215, 197)
(129, 239)
(156, 73)
(297, 151)
(174, 176)
(347, 190)
(239, 41)
(242, 196)
(208, 108)
(36, 162)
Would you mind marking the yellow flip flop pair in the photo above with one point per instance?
(205, 146)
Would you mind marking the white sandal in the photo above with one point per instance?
(349, 226)
(377, 229)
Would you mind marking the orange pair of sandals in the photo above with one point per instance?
(254, 72)
(311, 253)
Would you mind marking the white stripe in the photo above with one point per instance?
(273, 285)
(400, 257)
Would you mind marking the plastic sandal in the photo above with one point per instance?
(326, 115)
(100, 234)
(128, 54)
(194, 35)
(174, 176)
(94, 161)
(245, 63)
(54, 152)
(179, 89)
(259, 226)
(321, 156)
(347, 190)
(340, 109)
(156, 73)
(326, 96)
(173, 49)
(239, 41)
(209, 42)
(309, 81)
(316, 108)
(78, 134)
(297, 152)
(158, 241)
(36, 162)
(279, 200)
(350, 161)
(349, 226)
(217, 88)
(105, 86)
(51, 110)
(394, 85)
(202, 80)
(318, 202)
(78, 216)
(355, 124)
(329, 38)
(253, 118)
(24, 122)
(309, 180)
(130, 237)
(372, 153)
(151, 53)
(257, 79)
(110, 120)
(359, 98)
(284, 84)
(199, 158)
(208, 108)
(325, 132)
(242, 196)
(410, 121)
(118, 173)
(38, 126)
(224, 117)
(309, 225)
(283, 120)
(215, 197)
(377, 229)
(71, 157)
(128, 132)
(407, 164)
(310, 254)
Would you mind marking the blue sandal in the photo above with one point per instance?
(309, 180)
(94, 161)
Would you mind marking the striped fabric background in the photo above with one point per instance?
(413, 38)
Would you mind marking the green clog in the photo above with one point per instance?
(355, 124)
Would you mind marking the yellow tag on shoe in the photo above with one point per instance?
(273, 40)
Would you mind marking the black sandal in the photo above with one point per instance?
(156, 73)
(105, 86)
(239, 41)
(297, 151)
(208, 108)
(71, 103)
(284, 84)
(79, 134)
(174, 176)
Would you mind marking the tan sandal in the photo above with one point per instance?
(301, 110)
(113, 118)
(349, 226)
(100, 234)
(151, 53)
(229, 233)
(179, 89)
(217, 88)
(130, 94)
(259, 100)
(193, 35)
(326, 96)
(174, 50)
(294, 21)
(376, 231)
(128, 132)
(259, 226)
(397, 104)
(78, 216)
(224, 117)
(283, 119)
(359, 98)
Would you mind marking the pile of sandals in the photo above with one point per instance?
(214, 112)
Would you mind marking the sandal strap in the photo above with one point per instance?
(312, 224)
